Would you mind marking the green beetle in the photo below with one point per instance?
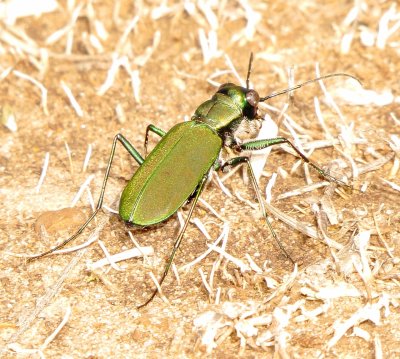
(177, 169)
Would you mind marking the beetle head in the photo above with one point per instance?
(246, 99)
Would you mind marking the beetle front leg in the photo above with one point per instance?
(154, 129)
(261, 144)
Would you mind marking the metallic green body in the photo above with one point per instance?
(218, 112)
(170, 174)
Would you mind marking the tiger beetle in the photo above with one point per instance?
(176, 170)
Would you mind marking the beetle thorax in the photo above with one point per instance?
(231, 111)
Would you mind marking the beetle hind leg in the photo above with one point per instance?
(138, 158)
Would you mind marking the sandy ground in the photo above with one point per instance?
(73, 77)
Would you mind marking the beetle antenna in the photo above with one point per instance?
(249, 71)
(274, 94)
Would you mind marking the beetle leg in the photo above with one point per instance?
(243, 159)
(157, 131)
(178, 240)
(138, 158)
(261, 144)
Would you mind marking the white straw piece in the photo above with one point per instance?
(44, 171)
(64, 321)
(75, 105)
(108, 256)
(87, 158)
(38, 84)
(81, 189)
(128, 254)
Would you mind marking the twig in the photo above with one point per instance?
(44, 171)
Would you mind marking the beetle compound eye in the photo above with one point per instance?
(252, 98)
